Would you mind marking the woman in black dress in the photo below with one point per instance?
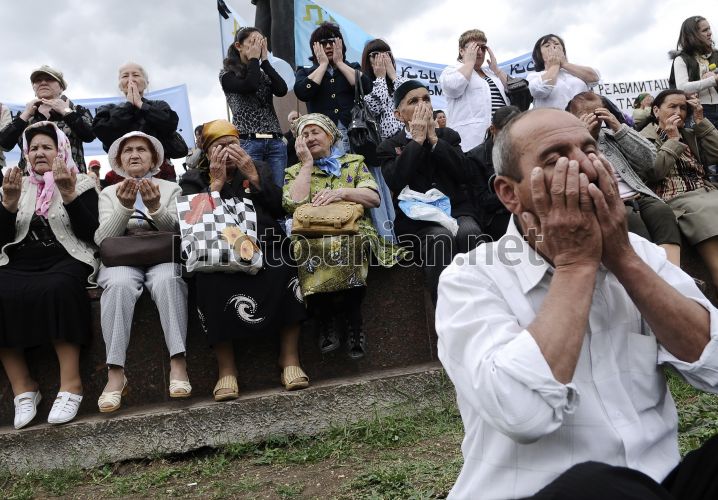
(47, 223)
(241, 305)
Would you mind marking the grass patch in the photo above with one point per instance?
(697, 413)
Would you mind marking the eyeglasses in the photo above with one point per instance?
(327, 41)
(376, 53)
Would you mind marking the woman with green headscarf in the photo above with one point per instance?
(333, 269)
(642, 106)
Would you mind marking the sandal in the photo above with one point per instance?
(180, 389)
(64, 408)
(293, 378)
(26, 407)
(226, 382)
(110, 401)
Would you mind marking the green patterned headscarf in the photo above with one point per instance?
(321, 121)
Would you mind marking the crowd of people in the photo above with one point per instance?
(438, 184)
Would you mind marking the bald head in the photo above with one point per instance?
(528, 137)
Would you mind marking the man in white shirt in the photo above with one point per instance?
(554, 335)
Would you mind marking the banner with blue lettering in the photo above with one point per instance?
(176, 97)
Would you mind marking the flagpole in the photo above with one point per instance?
(220, 4)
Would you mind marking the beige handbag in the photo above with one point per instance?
(341, 217)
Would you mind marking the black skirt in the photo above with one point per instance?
(239, 305)
(44, 302)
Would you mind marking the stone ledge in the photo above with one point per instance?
(162, 429)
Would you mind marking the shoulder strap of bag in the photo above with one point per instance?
(358, 87)
(140, 215)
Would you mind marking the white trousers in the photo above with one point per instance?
(122, 286)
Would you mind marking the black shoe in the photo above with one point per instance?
(328, 338)
(356, 343)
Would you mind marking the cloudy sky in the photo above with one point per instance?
(178, 40)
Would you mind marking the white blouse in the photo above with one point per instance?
(558, 95)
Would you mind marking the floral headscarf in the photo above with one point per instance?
(46, 182)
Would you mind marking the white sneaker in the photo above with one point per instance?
(64, 408)
(26, 408)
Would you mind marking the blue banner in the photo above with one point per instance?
(176, 97)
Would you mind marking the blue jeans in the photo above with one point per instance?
(344, 143)
(272, 151)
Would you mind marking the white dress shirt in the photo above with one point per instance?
(469, 103)
(558, 95)
(523, 428)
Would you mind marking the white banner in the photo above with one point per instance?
(176, 97)
(624, 93)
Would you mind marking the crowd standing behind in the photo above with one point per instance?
(441, 184)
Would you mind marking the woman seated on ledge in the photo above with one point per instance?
(325, 176)
(137, 157)
(47, 221)
(236, 305)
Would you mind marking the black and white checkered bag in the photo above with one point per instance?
(203, 246)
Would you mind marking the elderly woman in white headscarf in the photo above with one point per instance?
(137, 157)
(324, 176)
(47, 259)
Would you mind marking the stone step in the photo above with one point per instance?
(257, 415)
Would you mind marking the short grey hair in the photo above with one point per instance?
(504, 156)
(132, 63)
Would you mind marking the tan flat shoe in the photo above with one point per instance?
(180, 389)
(110, 401)
(226, 382)
(293, 378)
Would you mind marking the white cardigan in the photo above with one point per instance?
(59, 222)
(114, 217)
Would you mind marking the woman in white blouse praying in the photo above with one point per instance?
(555, 80)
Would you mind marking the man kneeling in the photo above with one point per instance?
(554, 335)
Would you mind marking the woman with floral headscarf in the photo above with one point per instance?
(239, 305)
(324, 176)
(47, 258)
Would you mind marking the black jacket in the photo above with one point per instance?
(154, 118)
(334, 97)
(405, 162)
(481, 172)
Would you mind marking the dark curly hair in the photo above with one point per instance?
(326, 30)
(539, 64)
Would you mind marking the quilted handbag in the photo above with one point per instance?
(341, 217)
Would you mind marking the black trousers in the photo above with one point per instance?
(695, 478)
(433, 247)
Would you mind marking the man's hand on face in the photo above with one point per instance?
(564, 227)
(610, 213)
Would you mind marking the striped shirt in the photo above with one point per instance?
(687, 175)
(497, 100)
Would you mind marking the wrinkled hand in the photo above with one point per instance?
(65, 180)
(30, 109)
(133, 95)
(319, 55)
(127, 193)
(608, 119)
(610, 212)
(303, 153)
(218, 168)
(57, 105)
(694, 103)
(150, 193)
(338, 55)
(670, 127)
(11, 188)
(265, 52)
(431, 130)
(244, 162)
(419, 124)
(564, 227)
(590, 120)
(327, 196)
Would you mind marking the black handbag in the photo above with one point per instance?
(517, 90)
(141, 247)
(363, 130)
